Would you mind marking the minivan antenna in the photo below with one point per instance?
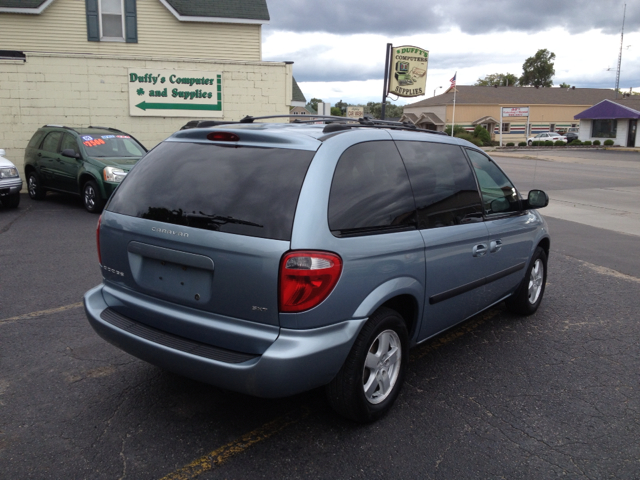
(620, 55)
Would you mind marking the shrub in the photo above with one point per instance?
(535, 143)
(587, 142)
(596, 142)
(576, 142)
(559, 143)
(457, 130)
(608, 142)
(511, 144)
(470, 138)
(548, 143)
(522, 144)
(483, 134)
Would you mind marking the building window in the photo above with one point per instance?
(506, 127)
(111, 21)
(604, 128)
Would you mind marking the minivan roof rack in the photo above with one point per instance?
(335, 124)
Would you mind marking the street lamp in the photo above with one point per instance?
(434, 91)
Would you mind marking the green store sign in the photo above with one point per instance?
(172, 93)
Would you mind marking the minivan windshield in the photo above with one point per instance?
(229, 188)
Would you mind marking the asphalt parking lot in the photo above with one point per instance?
(500, 396)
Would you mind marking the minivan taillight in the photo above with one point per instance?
(98, 239)
(306, 279)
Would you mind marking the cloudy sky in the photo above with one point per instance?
(338, 46)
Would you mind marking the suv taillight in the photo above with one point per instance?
(306, 279)
(98, 239)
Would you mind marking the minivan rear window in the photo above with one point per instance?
(236, 189)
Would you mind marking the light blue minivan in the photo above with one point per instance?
(272, 259)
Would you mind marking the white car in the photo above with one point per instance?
(544, 136)
(10, 183)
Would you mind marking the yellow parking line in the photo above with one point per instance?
(222, 454)
(40, 313)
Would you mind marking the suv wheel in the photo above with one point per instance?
(36, 192)
(527, 298)
(370, 379)
(91, 197)
(11, 201)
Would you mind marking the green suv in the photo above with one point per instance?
(90, 162)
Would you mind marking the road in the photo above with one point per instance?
(500, 396)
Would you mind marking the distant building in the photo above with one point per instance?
(299, 103)
(615, 120)
(550, 109)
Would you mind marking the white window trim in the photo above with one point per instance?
(122, 15)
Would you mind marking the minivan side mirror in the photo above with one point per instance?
(536, 199)
(69, 152)
(2, 152)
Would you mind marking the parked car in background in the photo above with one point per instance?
(10, 182)
(546, 136)
(90, 162)
(572, 134)
(283, 257)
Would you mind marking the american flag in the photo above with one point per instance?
(453, 80)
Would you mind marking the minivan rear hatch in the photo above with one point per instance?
(204, 224)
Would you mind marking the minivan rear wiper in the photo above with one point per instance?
(220, 219)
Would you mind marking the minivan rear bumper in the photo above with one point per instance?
(297, 361)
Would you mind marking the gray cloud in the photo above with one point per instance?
(418, 16)
(309, 66)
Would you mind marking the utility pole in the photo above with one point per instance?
(620, 55)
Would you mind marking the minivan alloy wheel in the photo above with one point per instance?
(382, 366)
(535, 281)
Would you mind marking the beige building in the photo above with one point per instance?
(550, 109)
(142, 66)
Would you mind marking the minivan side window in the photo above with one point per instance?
(498, 193)
(51, 141)
(370, 192)
(443, 184)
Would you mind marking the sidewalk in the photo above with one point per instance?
(582, 156)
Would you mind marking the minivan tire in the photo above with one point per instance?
(379, 352)
(528, 296)
(91, 198)
(36, 192)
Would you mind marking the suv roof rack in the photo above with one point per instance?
(106, 128)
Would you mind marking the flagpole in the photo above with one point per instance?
(453, 119)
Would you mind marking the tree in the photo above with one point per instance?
(342, 106)
(500, 79)
(313, 103)
(564, 85)
(538, 70)
(390, 111)
(336, 112)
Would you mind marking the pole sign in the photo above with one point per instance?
(408, 72)
(515, 111)
(355, 112)
(174, 93)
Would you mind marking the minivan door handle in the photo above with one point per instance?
(479, 250)
(495, 246)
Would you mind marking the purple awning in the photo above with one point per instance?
(607, 110)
